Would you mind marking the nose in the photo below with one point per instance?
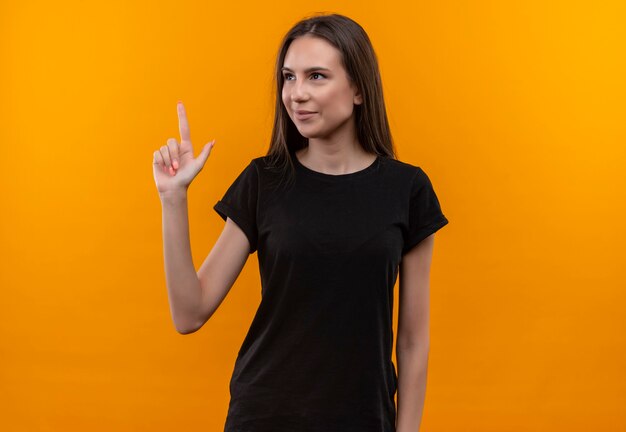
(298, 92)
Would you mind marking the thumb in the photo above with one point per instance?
(204, 154)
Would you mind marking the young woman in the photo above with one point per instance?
(334, 217)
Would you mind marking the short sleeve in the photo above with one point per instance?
(240, 203)
(424, 215)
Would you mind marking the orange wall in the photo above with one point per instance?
(514, 109)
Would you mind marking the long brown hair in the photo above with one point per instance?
(361, 64)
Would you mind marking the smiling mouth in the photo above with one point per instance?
(303, 116)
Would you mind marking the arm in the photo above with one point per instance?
(413, 341)
(183, 286)
(194, 297)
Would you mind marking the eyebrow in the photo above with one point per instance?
(311, 69)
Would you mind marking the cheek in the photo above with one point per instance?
(339, 103)
(284, 97)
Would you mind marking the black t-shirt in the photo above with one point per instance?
(318, 354)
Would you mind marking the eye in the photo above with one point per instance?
(287, 75)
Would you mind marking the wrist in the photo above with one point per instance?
(173, 196)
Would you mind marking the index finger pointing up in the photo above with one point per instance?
(183, 125)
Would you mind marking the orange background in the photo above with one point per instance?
(514, 109)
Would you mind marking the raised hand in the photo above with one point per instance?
(173, 165)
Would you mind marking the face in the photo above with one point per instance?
(315, 80)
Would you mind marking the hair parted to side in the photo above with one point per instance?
(361, 64)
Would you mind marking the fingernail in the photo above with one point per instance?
(175, 163)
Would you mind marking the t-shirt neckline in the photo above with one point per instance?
(311, 173)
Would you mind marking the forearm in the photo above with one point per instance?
(183, 285)
(412, 372)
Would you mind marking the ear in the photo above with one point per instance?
(358, 98)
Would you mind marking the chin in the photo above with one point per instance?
(309, 135)
(305, 133)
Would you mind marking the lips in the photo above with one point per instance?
(304, 115)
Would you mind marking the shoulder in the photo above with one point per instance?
(402, 170)
(264, 166)
(255, 166)
(261, 163)
(267, 172)
(408, 176)
(261, 160)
